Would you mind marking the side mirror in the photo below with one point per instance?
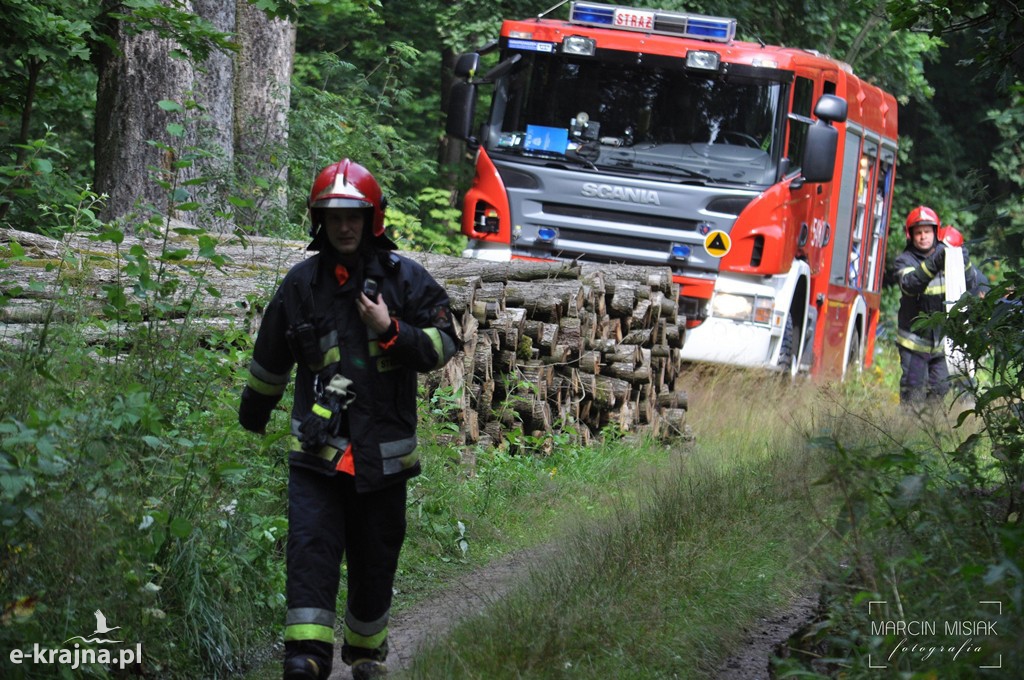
(467, 64)
(461, 109)
(819, 161)
(831, 108)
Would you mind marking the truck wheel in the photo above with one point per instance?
(853, 359)
(789, 359)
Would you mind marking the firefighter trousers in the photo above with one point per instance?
(329, 520)
(924, 376)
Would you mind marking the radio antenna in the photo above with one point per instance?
(551, 9)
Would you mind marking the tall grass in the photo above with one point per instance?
(926, 534)
(127, 486)
(785, 489)
(928, 530)
(665, 579)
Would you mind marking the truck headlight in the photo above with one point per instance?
(729, 306)
(748, 308)
(579, 45)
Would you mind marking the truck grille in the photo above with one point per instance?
(622, 217)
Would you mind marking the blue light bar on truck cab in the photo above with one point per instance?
(682, 24)
(582, 13)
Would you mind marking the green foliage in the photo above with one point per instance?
(34, 177)
(47, 94)
(122, 501)
(337, 114)
(990, 333)
(127, 485)
(436, 229)
(996, 25)
(47, 44)
(379, 106)
(930, 517)
(1007, 232)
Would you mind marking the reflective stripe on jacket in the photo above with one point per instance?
(382, 417)
(924, 293)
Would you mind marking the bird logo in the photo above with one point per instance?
(101, 629)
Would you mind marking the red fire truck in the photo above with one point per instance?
(761, 175)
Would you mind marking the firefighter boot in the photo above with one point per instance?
(302, 668)
(368, 669)
(367, 664)
(307, 660)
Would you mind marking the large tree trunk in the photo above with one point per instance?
(241, 120)
(131, 83)
(547, 345)
(262, 91)
(213, 92)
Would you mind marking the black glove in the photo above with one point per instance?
(327, 418)
(254, 410)
(936, 262)
(315, 430)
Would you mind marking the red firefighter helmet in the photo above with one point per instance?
(951, 236)
(922, 214)
(346, 184)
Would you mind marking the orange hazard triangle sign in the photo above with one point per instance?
(717, 243)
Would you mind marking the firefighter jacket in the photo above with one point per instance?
(922, 280)
(312, 324)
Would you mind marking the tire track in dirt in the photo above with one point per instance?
(433, 618)
(752, 660)
(472, 593)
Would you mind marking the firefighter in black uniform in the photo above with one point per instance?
(920, 270)
(357, 322)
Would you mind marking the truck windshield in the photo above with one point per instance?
(629, 118)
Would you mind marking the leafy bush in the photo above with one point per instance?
(127, 486)
(433, 228)
(930, 523)
(33, 179)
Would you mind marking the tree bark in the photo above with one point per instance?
(132, 80)
(239, 123)
(262, 96)
(535, 352)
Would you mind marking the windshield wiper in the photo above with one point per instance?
(570, 156)
(635, 164)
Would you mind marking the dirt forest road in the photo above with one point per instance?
(434, 617)
(419, 625)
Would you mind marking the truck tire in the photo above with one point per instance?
(788, 350)
(853, 359)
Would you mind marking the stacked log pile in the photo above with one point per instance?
(547, 346)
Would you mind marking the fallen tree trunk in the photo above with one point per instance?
(547, 345)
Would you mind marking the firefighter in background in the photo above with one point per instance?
(920, 271)
(357, 322)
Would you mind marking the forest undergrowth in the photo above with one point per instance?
(128, 488)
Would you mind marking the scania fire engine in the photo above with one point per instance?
(761, 175)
